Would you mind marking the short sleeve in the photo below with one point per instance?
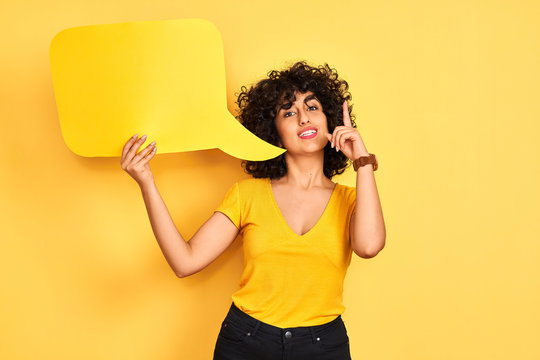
(230, 205)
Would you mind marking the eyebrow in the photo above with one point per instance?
(309, 97)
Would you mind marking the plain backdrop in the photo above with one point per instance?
(445, 93)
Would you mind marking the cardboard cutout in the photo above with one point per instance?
(161, 78)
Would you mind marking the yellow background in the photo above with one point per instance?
(445, 93)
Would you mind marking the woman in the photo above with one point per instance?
(299, 228)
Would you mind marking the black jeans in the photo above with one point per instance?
(242, 337)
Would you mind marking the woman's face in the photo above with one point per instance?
(295, 118)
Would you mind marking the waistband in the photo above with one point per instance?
(249, 322)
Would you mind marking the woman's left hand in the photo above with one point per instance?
(347, 138)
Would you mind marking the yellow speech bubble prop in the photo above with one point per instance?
(161, 78)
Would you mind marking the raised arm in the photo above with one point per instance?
(185, 258)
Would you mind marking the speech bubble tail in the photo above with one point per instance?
(258, 150)
(241, 143)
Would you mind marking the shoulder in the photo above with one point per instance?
(346, 188)
(251, 182)
(251, 185)
(347, 191)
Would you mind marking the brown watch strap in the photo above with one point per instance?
(364, 160)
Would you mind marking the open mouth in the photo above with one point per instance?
(308, 134)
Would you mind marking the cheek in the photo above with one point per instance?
(286, 130)
(282, 134)
(324, 123)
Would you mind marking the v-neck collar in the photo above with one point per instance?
(280, 214)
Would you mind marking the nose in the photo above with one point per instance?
(303, 116)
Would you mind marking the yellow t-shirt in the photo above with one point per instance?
(290, 280)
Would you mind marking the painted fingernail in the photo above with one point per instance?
(135, 136)
(143, 137)
(152, 143)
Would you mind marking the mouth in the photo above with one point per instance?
(308, 134)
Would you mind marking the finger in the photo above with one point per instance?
(127, 146)
(338, 140)
(336, 132)
(329, 137)
(147, 158)
(143, 153)
(134, 148)
(346, 117)
(341, 138)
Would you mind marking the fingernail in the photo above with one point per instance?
(332, 144)
(135, 136)
(143, 137)
(153, 142)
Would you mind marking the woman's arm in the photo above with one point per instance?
(187, 258)
(367, 229)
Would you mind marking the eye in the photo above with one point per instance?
(291, 112)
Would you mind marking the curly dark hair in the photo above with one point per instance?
(258, 110)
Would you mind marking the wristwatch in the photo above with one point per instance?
(364, 160)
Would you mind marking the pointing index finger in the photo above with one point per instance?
(346, 118)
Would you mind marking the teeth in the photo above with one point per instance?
(309, 132)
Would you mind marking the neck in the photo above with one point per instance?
(305, 171)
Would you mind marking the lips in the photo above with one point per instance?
(306, 129)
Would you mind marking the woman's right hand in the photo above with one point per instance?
(136, 165)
